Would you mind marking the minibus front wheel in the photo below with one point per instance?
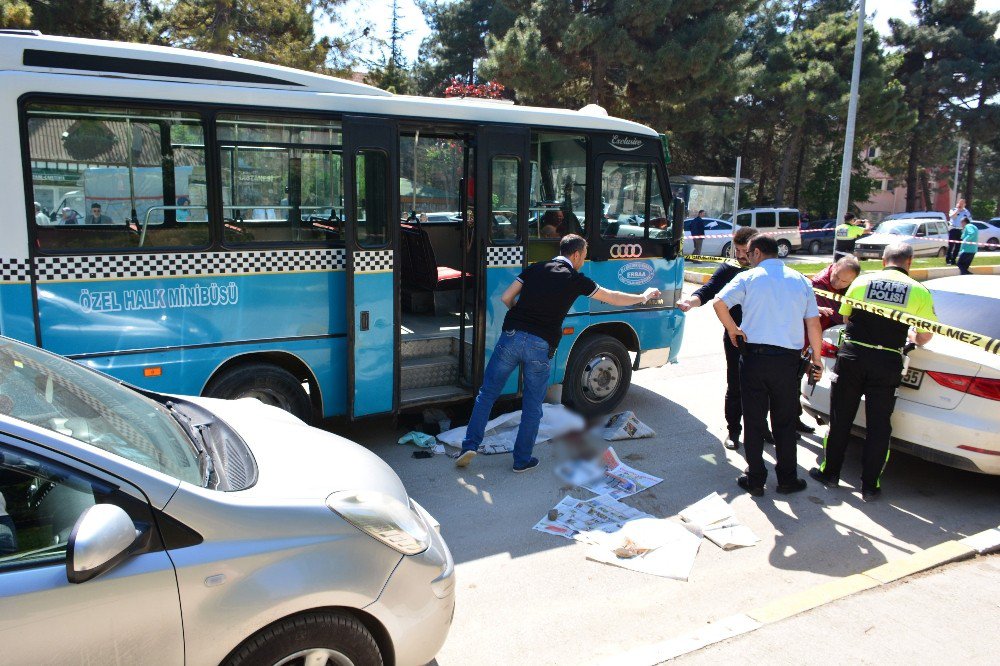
(598, 375)
(270, 384)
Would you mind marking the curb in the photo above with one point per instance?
(983, 543)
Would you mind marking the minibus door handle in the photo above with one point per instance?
(365, 320)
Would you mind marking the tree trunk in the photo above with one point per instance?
(786, 165)
(970, 170)
(798, 174)
(925, 188)
(765, 168)
(913, 160)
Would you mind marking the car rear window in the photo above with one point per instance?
(979, 314)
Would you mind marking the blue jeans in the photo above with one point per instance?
(530, 352)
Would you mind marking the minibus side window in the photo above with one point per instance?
(371, 197)
(116, 178)
(505, 184)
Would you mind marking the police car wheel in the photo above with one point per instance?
(942, 253)
(815, 247)
(268, 383)
(784, 248)
(725, 250)
(597, 376)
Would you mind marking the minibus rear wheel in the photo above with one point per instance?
(597, 376)
(270, 384)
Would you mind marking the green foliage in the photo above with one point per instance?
(15, 14)
(983, 209)
(122, 20)
(822, 190)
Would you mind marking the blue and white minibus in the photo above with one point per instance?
(199, 224)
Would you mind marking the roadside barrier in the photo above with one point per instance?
(984, 342)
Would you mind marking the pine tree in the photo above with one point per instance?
(121, 20)
(391, 71)
(274, 31)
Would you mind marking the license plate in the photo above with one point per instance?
(912, 378)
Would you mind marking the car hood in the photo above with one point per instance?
(297, 461)
(882, 239)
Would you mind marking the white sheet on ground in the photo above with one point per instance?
(502, 431)
(714, 519)
(655, 546)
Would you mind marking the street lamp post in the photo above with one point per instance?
(958, 160)
(852, 114)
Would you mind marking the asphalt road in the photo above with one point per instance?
(527, 597)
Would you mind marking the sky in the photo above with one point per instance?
(379, 13)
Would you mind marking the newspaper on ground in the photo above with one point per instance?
(626, 425)
(502, 431)
(714, 519)
(572, 516)
(651, 545)
(616, 479)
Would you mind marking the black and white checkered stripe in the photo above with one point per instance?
(14, 270)
(373, 261)
(181, 264)
(504, 255)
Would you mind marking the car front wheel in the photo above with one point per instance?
(313, 639)
(784, 248)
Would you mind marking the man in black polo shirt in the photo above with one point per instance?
(538, 300)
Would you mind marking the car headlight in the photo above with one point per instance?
(383, 517)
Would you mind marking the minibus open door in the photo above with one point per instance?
(371, 200)
(501, 191)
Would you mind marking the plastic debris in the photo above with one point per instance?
(421, 439)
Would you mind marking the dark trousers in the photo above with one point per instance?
(734, 404)
(768, 381)
(964, 261)
(875, 375)
(952, 256)
(697, 245)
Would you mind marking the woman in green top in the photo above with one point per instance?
(970, 243)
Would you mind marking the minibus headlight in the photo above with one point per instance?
(385, 518)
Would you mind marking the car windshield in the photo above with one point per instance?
(896, 227)
(979, 314)
(54, 393)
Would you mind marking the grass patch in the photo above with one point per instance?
(810, 268)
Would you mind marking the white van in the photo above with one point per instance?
(781, 223)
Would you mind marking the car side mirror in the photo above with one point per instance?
(102, 538)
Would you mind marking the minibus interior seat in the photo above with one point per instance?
(420, 272)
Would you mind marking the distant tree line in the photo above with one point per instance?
(767, 80)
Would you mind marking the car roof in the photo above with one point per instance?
(929, 214)
(987, 286)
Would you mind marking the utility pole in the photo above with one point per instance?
(852, 114)
(736, 206)
(958, 161)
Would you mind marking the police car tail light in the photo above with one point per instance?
(948, 380)
(985, 388)
(828, 350)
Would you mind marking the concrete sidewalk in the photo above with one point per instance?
(942, 616)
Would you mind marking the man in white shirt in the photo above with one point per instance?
(776, 300)
(955, 217)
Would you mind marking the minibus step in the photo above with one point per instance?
(428, 371)
(430, 394)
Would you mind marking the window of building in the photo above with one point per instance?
(117, 178)
(282, 179)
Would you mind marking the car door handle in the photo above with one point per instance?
(365, 320)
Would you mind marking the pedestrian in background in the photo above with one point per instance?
(722, 276)
(698, 231)
(969, 245)
(776, 301)
(955, 217)
(538, 300)
(870, 364)
(846, 235)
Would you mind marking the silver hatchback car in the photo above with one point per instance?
(142, 528)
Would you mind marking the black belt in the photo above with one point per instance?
(769, 350)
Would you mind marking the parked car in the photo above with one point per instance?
(818, 238)
(125, 511)
(782, 222)
(948, 408)
(928, 237)
(917, 215)
(719, 241)
(989, 233)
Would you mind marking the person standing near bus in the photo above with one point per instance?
(538, 301)
(722, 276)
(955, 216)
(969, 246)
(698, 231)
(776, 302)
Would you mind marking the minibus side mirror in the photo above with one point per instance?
(672, 249)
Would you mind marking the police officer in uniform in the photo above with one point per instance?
(847, 234)
(776, 301)
(870, 363)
